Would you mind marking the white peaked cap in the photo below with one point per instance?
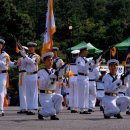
(2, 41)
(83, 47)
(113, 61)
(75, 52)
(31, 44)
(55, 48)
(48, 54)
(103, 69)
(24, 47)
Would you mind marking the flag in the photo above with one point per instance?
(126, 57)
(69, 73)
(5, 101)
(50, 29)
(113, 51)
(17, 49)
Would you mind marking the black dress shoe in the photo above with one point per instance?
(20, 112)
(40, 117)
(54, 117)
(85, 112)
(118, 116)
(128, 112)
(25, 112)
(2, 114)
(101, 108)
(90, 110)
(30, 113)
(68, 108)
(106, 117)
(74, 111)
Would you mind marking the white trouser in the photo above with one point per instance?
(51, 104)
(22, 92)
(58, 87)
(58, 90)
(123, 102)
(92, 94)
(115, 104)
(83, 92)
(100, 92)
(31, 91)
(73, 92)
(2, 89)
(128, 94)
(67, 90)
(100, 97)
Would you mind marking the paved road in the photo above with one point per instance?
(68, 121)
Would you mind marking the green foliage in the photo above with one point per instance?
(4, 16)
(95, 21)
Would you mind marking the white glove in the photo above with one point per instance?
(23, 53)
(118, 82)
(52, 78)
(1, 63)
(61, 72)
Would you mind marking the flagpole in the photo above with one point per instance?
(50, 28)
(50, 21)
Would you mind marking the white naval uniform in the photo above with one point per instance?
(128, 89)
(4, 63)
(67, 90)
(51, 102)
(22, 86)
(83, 83)
(58, 62)
(93, 77)
(100, 91)
(31, 66)
(73, 87)
(21, 83)
(113, 104)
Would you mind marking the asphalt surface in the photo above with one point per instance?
(68, 121)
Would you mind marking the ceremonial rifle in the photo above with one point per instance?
(62, 67)
(19, 45)
(123, 76)
(102, 53)
(57, 72)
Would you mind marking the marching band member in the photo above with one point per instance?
(73, 82)
(66, 93)
(57, 63)
(100, 88)
(112, 103)
(50, 101)
(4, 64)
(22, 84)
(31, 62)
(128, 89)
(94, 75)
(83, 81)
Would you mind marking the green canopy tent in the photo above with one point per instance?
(123, 45)
(91, 48)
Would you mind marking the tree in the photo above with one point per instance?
(4, 16)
